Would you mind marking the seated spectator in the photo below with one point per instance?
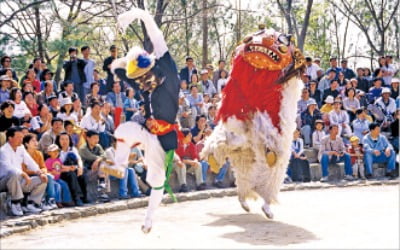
(76, 134)
(116, 97)
(14, 180)
(325, 82)
(47, 78)
(208, 85)
(30, 78)
(186, 114)
(378, 150)
(189, 159)
(92, 155)
(340, 118)
(350, 103)
(198, 131)
(376, 90)
(207, 103)
(53, 189)
(195, 82)
(68, 91)
(327, 107)
(347, 72)
(362, 82)
(308, 118)
(55, 168)
(42, 122)
(211, 116)
(129, 180)
(6, 65)
(318, 134)
(394, 88)
(49, 137)
(184, 88)
(66, 112)
(302, 104)
(386, 104)
(102, 82)
(342, 80)
(195, 99)
(109, 122)
(360, 124)
(54, 105)
(332, 151)
(136, 161)
(20, 108)
(94, 94)
(130, 104)
(299, 167)
(356, 153)
(333, 90)
(73, 171)
(312, 69)
(221, 83)
(7, 118)
(5, 82)
(394, 128)
(77, 108)
(95, 121)
(315, 93)
(30, 102)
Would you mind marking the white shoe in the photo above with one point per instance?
(16, 209)
(324, 179)
(267, 211)
(244, 205)
(31, 208)
(52, 203)
(146, 228)
(349, 178)
(45, 206)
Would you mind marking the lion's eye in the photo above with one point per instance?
(259, 33)
(284, 40)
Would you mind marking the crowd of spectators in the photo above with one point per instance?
(55, 136)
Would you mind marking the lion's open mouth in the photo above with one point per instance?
(261, 49)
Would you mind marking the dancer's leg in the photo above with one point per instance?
(155, 199)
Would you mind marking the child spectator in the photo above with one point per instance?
(55, 168)
(357, 154)
(222, 80)
(318, 134)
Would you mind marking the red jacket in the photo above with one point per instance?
(188, 151)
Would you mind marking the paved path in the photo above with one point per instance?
(359, 217)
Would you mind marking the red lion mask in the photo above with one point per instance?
(262, 64)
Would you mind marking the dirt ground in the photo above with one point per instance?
(361, 217)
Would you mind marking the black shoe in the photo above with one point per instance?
(219, 184)
(123, 197)
(86, 200)
(393, 175)
(368, 176)
(202, 186)
(79, 203)
(183, 189)
(103, 198)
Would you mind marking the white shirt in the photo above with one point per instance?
(221, 83)
(312, 71)
(89, 68)
(390, 108)
(70, 117)
(63, 155)
(12, 160)
(21, 110)
(89, 123)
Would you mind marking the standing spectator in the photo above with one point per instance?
(48, 90)
(30, 78)
(318, 134)
(74, 72)
(333, 65)
(339, 117)
(6, 64)
(49, 137)
(351, 104)
(299, 168)
(186, 114)
(363, 83)
(7, 118)
(208, 85)
(107, 67)
(332, 151)
(20, 108)
(130, 103)
(88, 70)
(187, 72)
(378, 149)
(68, 91)
(394, 88)
(102, 83)
(37, 67)
(116, 97)
(15, 181)
(347, 72)
(360, 124)
(308, 118)
(218, 73)
(315, 93)
(189, 158)
(42, 122)
(47, 75)
(5, 83)
(74, 171)
(312, 69)
(195, 99)
(333, 90)
(325, 82)
(356, 153)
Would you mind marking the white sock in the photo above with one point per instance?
(154, 201)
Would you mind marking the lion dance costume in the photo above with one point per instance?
(256, 118)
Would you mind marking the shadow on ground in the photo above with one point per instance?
(260, 231)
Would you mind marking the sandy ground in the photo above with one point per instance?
(362, 217)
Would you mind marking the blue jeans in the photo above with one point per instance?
(221, 174)
(50, 189)
(370, 158)
(130, 181)
(334, 159)
(65, 194)
(306, 131)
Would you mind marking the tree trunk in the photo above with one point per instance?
(345, 38)
(39, 32)
(187, 38)
(205, 34)
(304, 27)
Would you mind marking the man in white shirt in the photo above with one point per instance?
(94, 120)
(14, 180)
(312, 69)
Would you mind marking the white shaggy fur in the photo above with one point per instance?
(245, 143)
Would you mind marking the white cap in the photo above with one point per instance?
(385, 90)
(65, 101)
(203, 71)
(394, 79)
(329, 99)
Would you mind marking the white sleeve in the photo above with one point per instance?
(34, 123)
(28, 161)
(155, 34)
